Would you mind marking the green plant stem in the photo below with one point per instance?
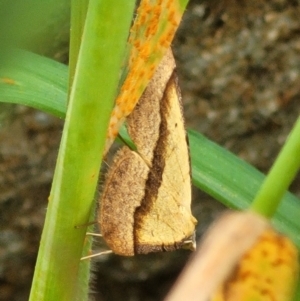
(78, 15)
(280, 176)
(75, 179)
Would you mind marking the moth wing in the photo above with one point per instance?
(123, 192)
(165, 220)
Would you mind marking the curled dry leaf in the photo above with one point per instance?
(268, 271)
(241, 259)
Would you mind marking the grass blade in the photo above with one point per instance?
(75, 179)
(35, 81)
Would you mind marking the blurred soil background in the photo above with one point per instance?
(239, 70)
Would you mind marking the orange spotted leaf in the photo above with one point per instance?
(151, 34)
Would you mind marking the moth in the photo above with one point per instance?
(146, 202)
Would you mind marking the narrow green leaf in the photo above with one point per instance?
(78, 15)
(80, 154)
(235, 183)
(32, 80)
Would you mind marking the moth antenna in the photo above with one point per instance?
(190, 244)
(96, 254)
(93, 234)
(105, 163)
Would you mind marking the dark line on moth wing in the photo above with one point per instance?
(160, 152)
(154, 180)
